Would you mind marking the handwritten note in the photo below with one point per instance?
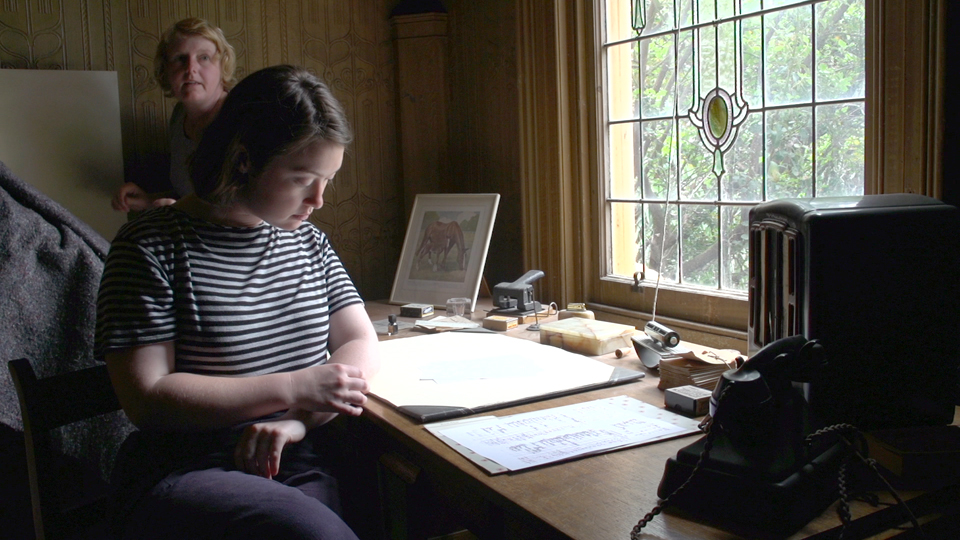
(537, 438)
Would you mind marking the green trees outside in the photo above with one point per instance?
(801, 79)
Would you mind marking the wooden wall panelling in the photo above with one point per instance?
(422, 49)
(347, 43)
(484, 125)
(349, 46)
(905, 96)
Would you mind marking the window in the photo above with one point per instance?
(566, 121)
(712, 106)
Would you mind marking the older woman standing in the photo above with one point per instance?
(195, 64)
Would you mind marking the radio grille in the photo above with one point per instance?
(775, 285)
(874, 280)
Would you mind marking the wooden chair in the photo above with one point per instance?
(45, 405)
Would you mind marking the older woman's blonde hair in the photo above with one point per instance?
(194, 27)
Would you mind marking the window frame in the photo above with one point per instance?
(561, 154)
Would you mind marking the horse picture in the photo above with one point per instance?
(440, 238)
(443, 249)
(445, 245)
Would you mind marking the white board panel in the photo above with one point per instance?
(60, 132)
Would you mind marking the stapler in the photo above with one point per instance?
(516, 298)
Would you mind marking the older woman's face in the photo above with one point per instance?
(193, 70)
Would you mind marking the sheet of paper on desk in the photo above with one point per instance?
(521, 441)
(457, 373)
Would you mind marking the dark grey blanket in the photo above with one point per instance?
(50, 266)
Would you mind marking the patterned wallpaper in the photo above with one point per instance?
(346, 42)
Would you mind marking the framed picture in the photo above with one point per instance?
(445, 248)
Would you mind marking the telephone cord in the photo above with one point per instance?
(706, 426)
(853, 438)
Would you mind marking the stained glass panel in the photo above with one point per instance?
(840, 149)
(652, 233)
(744, 178)
(766, 99)
(734, 229)
(789, 161)
(700, 245)
(841, 50)
(624, 161)
(656, 65)
(658, 160)
(787, 48)
(697, 180)
(622, 102)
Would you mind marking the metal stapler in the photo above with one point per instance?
(516, 297)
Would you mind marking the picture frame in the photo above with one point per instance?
(445, 248)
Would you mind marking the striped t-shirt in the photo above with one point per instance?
(236, 301)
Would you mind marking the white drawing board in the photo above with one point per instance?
(440, 376)
(60, 133)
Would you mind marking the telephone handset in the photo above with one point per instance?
(753, 468)
(764, 417)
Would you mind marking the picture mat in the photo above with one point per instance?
(409, 289)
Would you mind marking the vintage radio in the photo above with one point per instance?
(877, 280)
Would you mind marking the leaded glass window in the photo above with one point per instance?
(712, 106)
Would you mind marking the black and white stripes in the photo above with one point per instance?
(236, 301)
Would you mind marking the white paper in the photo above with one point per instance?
(476, 374)
(495, 367)
(530, 439)
(447, 323)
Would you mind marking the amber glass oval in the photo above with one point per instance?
(717, 114)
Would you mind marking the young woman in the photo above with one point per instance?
(231, 329)
(194, 64)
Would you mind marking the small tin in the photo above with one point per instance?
(416, 310)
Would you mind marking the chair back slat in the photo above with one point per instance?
(47, 404)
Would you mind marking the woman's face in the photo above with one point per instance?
(193, 71)
(291, 187)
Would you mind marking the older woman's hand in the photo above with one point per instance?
(131, 197)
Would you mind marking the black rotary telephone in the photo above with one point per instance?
(753, 469)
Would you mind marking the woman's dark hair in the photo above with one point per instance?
(270, 113)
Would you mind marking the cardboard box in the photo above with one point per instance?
(416, 310)
(689, 400)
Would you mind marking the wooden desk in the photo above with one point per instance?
(595, 498)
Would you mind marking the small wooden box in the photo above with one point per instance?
(499, 322)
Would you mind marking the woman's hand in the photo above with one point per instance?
(331, 387)
(164, 201)
(131, 197)
(260, 446)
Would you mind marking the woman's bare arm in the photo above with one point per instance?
(155, 396)
(353, 340)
